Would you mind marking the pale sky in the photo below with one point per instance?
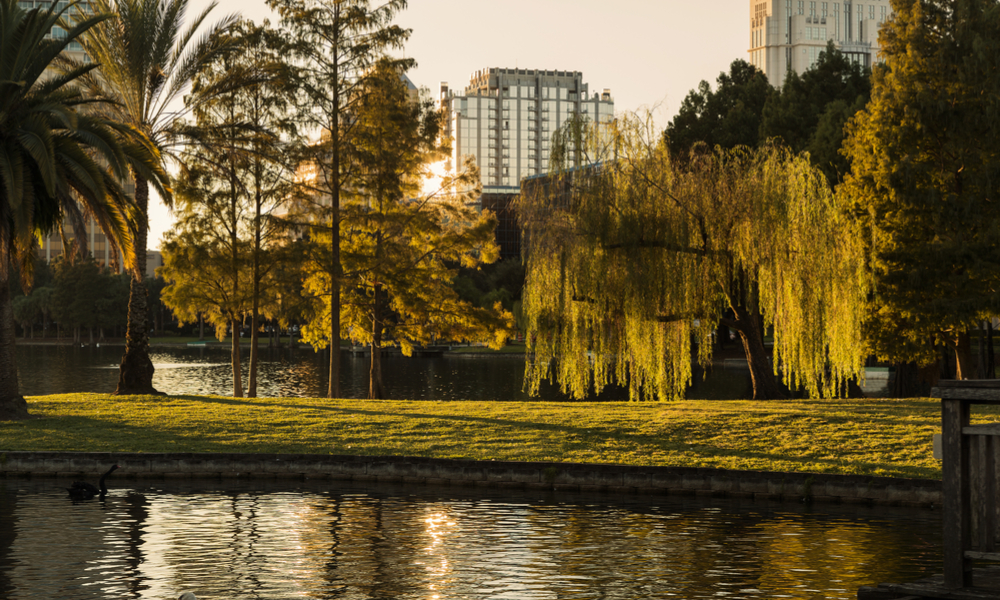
(649, 53)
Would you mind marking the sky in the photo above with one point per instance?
(649, 53)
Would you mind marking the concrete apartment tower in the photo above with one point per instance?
(505, 119)
(788, 35)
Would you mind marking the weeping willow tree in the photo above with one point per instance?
(633, 261)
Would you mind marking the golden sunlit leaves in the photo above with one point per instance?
(634, 260)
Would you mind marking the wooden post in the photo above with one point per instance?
(988, 522)
(955, 493)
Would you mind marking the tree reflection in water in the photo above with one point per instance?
(282, 540)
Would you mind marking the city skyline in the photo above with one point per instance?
(649, 54)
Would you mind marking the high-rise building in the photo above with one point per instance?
(789, 35)
(505, 119)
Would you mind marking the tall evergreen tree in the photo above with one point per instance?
(925, 180)
(233, 177)
(334, 43)
(728, 116)
(398, 242)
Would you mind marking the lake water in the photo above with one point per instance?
(275, 541)
(303, 373)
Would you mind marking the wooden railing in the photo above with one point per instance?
(969, 486)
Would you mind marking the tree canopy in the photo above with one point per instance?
(809, 111)
(398, 241)
(728, 116)
(631, 261)
(332, 45)
(925, 180)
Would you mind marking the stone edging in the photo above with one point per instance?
(569, 477)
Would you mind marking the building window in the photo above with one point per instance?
(825, 13)
(802, 7)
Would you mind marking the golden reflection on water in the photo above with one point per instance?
(153, 543)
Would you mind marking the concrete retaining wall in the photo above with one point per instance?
(572, 477)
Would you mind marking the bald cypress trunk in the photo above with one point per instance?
(375, 391)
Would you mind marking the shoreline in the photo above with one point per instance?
(821, 488)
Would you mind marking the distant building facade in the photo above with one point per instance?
(789, 35)
(505, 119)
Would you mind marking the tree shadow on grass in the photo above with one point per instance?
(590, 436)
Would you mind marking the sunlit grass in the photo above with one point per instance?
(870, 437)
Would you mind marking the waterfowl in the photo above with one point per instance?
(81, 490)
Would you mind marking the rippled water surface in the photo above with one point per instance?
(279, 540)
(303, 373)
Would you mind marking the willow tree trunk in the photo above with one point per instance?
(375, 391)
(12, 404)
(964, 364)
(135, 376)
(765, 385)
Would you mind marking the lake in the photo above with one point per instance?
(281, 540)
(49, 369)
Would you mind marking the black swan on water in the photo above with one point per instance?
(81, 490)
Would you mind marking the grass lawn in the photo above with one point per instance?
(869, 437)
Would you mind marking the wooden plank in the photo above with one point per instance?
(978, 555)
(926, 591)
(984, 429)
(969, 383)
(955, 494)
(985, 395)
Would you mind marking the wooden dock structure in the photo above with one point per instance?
(969, 501)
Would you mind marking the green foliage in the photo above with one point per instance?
(396, 243)
(729, 116)
(809, 111)
(486, 285)
(201, 276)
(332, 46)
(925, 157)
(57, 160)
(638, 257)
(79, 285)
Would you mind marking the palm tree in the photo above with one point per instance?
(146, 63)
(58, 159)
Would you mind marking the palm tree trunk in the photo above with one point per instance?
(12, 404)
(136, 371)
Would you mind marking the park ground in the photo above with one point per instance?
(882, 437)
